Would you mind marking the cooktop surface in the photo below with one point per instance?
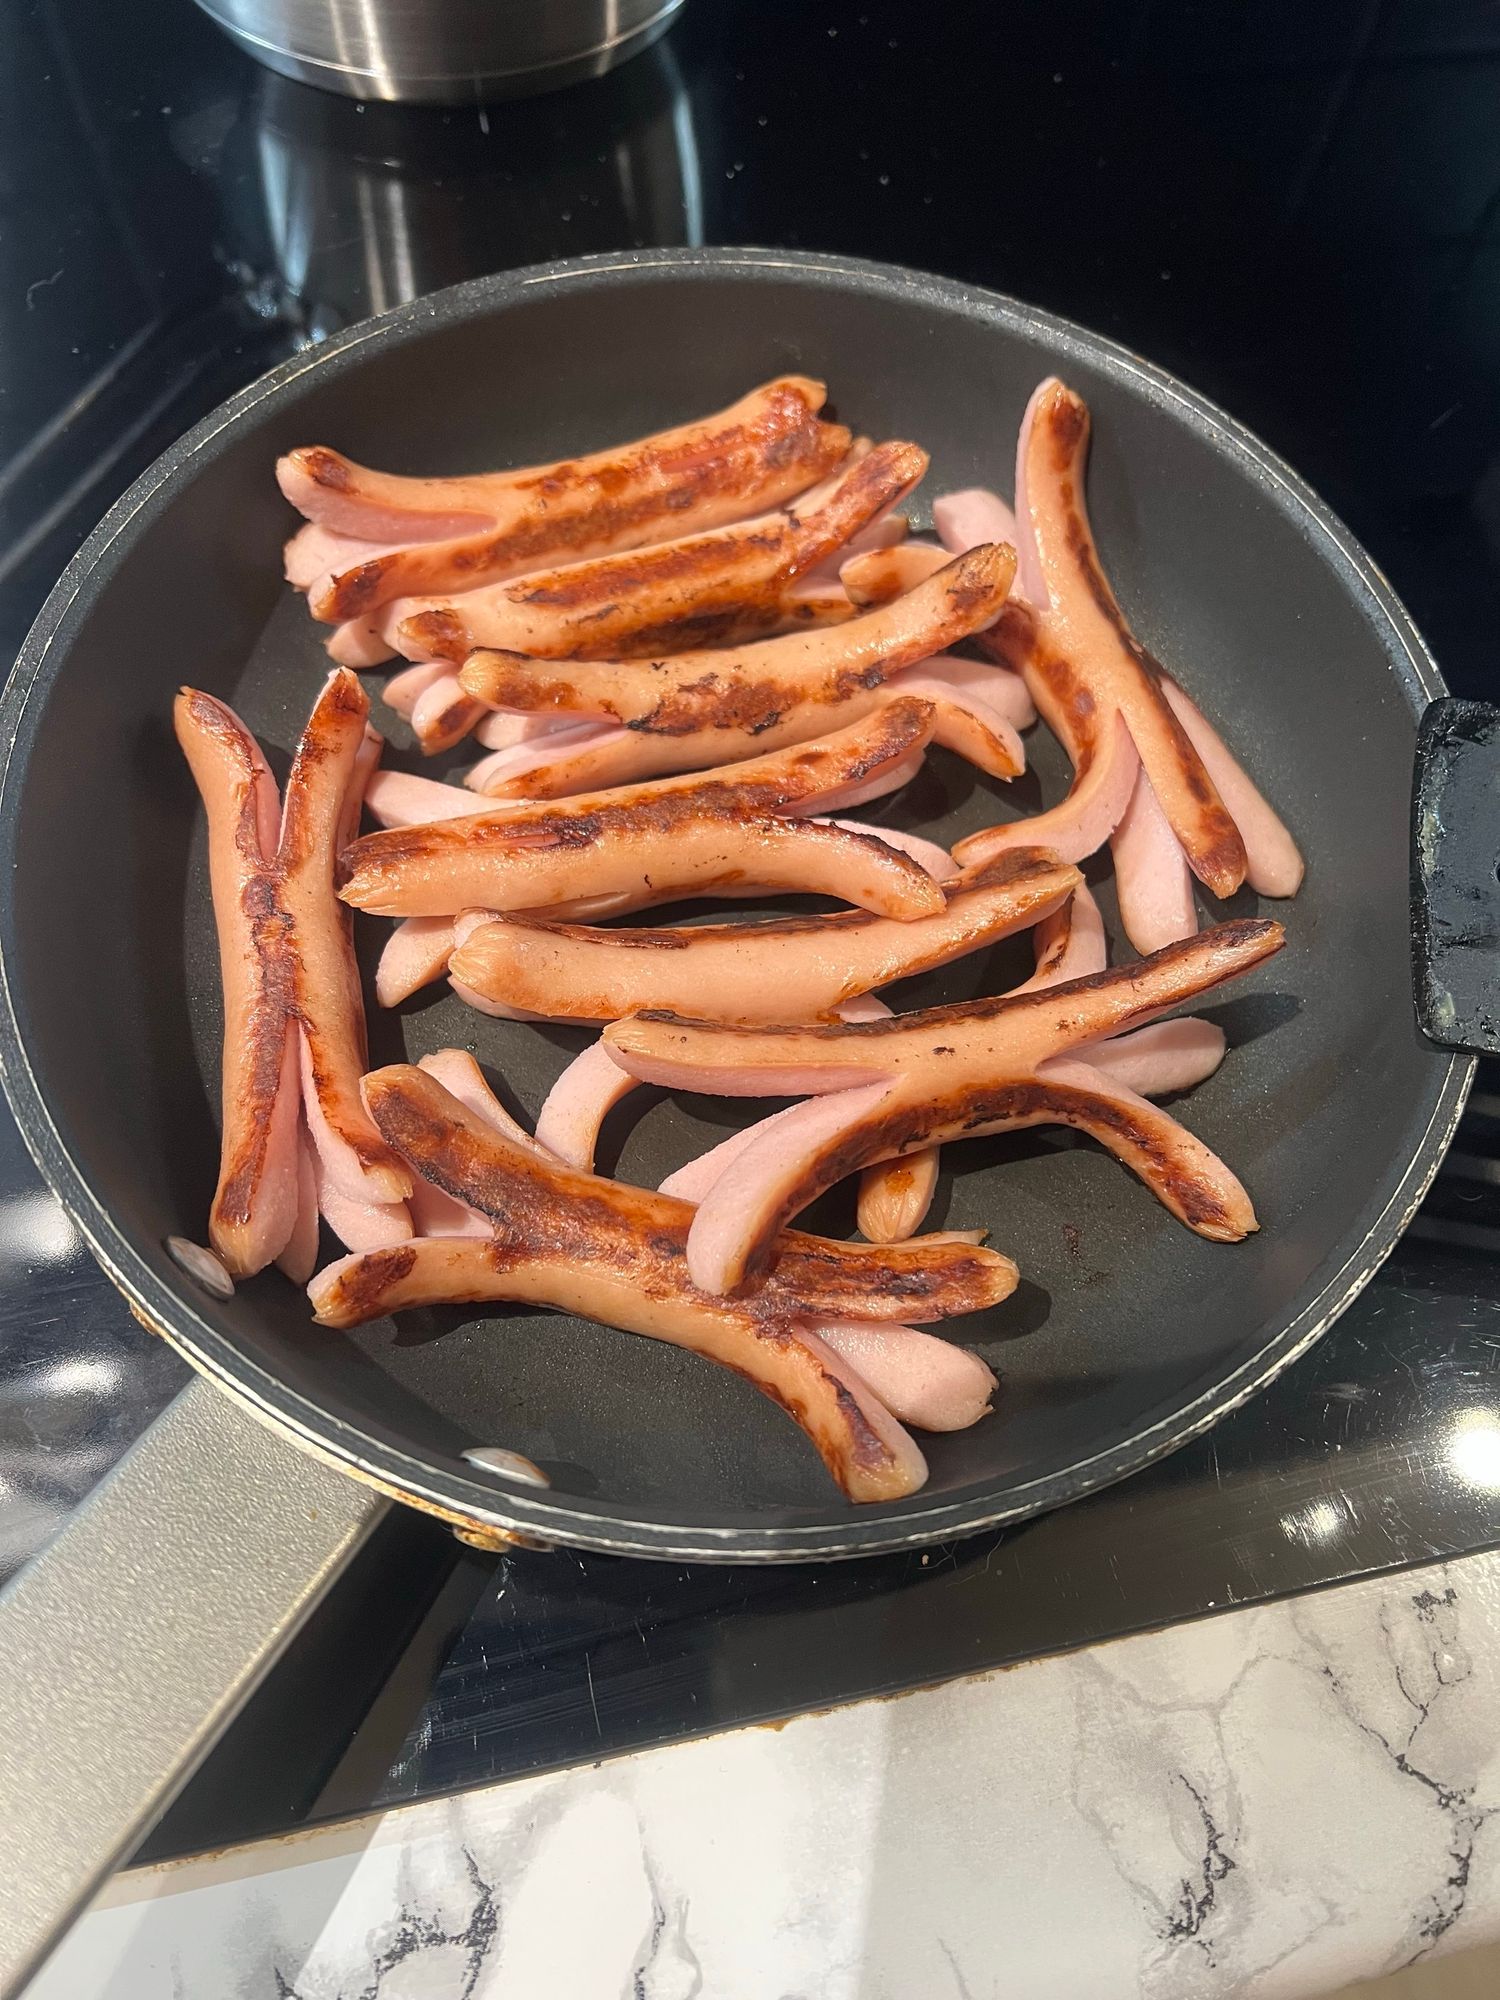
(1296, 209)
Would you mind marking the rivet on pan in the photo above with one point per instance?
(511, 1464)
(501, 1541)
(201, 1265)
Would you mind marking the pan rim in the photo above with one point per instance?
(637, 1531)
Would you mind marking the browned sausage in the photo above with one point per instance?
(880, 1089)
(462, 532)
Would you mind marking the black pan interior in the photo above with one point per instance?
(1127, 1331)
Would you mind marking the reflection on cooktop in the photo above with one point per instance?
(1299, 212)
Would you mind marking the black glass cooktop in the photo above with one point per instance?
(1296, 208)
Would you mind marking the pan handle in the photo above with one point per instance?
(1455, 893)
(131, 1641)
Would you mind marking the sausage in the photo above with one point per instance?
(1082, 662)
(1069, 944)
(487, 995)
(1275, 866)
(876, 576)
(936, 1277)
(1155, 1061)
(577, 1105)
(922, 1379)
(963, 520)
(693, 1181)
(864, 762)
(702, 708)
(972, 716)
(720, 588)
(884, 574)
(1153, 882)
(693, 845)
(935, 860)
(505, 728)
(971, 712)
(439, 1214)
(607, 1251)
(576, 757)
(918, 1377)
(1079, 825)
(358, 642)
(416, 952)
(313, 552)
(895, 1195)
(894, 1087)
(996, 690)
(785, 969)
(397, 798)
(358, 1223)
(255, 1206)
(299, 1259)
(296, 1138)
(324, 995)
(444, 713)
(601, 767)
(402, 691)
(453, 534)
(419, 948)
(704, 832)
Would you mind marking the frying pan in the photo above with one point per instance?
(1128, 1336)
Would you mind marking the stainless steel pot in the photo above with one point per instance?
(442, 51)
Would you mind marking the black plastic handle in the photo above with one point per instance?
(1455, 888)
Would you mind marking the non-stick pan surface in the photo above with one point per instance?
(1128, 1334)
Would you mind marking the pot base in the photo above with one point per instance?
(489, 81)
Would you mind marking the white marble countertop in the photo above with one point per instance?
(1265, 1804)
